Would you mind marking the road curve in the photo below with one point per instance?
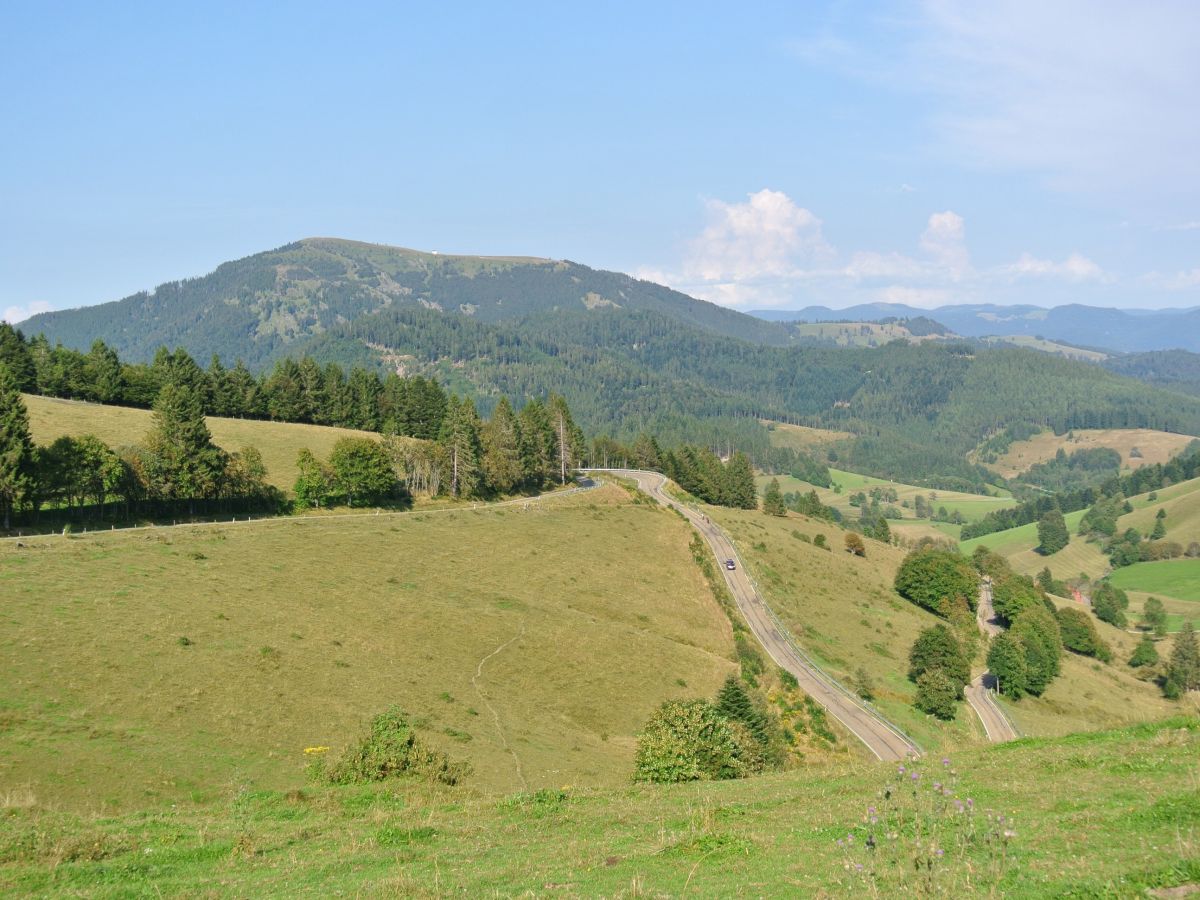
(996, 724)
(880, 737)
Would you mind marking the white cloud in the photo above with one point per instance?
(944, 239)
(771, 252)
(1074, 268)
(15, 314)
(750, 252)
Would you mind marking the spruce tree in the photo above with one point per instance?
(182, 461)
(1183, 669)
(735, 704)
(16, 447)
(773, 500)
(460, 438)
(740, 491)
(17, 358)
(500, 439)
(568, 439)
(1160, 526)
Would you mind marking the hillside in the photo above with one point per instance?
(1102, 814)
(168, 665)
(845, 612)
(1151, 447)
(254, 308)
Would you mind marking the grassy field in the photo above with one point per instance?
(972, 506)
(1017, 546)
(1108, 814)
(801, 437)
(1037, 343)
(1176, 578)
(1181, 501)
(180, 665)
(861, 334)
(1155, 447)
(279, 442)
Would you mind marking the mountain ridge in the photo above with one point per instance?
(1113, 328)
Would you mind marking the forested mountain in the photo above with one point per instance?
(254, 308)
(917, 409)
(629, 356)
(1176, 370)
(1126, 330)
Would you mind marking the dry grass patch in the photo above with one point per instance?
(1155, 447)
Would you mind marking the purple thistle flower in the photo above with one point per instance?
(940, 851)
(945, 761)
(970, 803)
(841, 843)
(916, 776)
(871, 810)
(937, 786)
(858, 867)
(900, 771)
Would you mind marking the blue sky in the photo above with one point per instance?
(760, 155)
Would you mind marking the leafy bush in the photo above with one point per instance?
(390, 749)
(1145, 654)
(688, 740)
(939, 580)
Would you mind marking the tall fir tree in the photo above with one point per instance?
(16, 357)
(182, 461)
(460, 438)
(568, 438)
(16, 447)
(739, 481)
(735, 704)
(772, 503)
(500, 438)
(1183, 668)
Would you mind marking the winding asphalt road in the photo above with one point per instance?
(996, 724)
(882, 738)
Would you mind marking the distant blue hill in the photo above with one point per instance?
(1125, 330)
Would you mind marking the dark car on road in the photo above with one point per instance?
(730, 565)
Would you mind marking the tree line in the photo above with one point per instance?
(177, 469)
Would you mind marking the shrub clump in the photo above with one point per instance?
(391, 749)
(688, 740)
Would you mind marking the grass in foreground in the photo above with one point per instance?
(1100, 814)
